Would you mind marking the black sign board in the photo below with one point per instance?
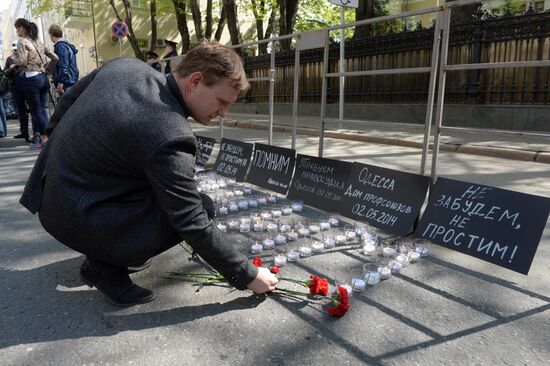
(319, 182)
(233, 159)
(385, 198)
(496, 225)
(205, 145)
(272, 167)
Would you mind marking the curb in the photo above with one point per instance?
(510, 154)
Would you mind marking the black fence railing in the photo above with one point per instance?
(512, 38)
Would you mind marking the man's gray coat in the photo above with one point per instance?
(115, 180)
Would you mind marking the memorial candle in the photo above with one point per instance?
(222, 226)
(293, 255)
(256, 248)
(329, 243)
(279, 260)
(314, 229)
(317, 246)
(297, 206)
(233, 224)
(280, 239)
(287, 210)
(268, 243)
(262, 200)
(340, 239)
(414, 257)
(358, 284)
(292, 235)
(223, 210)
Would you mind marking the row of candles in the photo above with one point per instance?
(290, 240)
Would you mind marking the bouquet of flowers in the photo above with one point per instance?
(336, 304)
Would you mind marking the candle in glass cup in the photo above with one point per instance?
(385, 273)
(403, 259)
(317, 246)
(303, 232)
(233, 224)
(215, 186)
(324, 225)
(243, 204)
(272, 198)
(280, 239)
(388, 252)
(229, 194)
(395, 266)
(266, 215)
(238, 192)
(258, 226)
(244, 227)
(223, 210)
(329, 243)
(253, 202)
(369, 248)
(423, 250)
(271, 227)
(305, 250)
(276, 211)
(256, 248)
(262, 200)
(414, 257)
(222, 226)
(279, 260)
(334, 222)
(297, 206)
(314, 229)
(284, 227)
(292, 235)
(371, 274)
(247, 191)
(358, 283)
(268, 243)
(287, 210)
(293, 255)
(340, 239)
(233, 207)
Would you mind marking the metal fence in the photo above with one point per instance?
(506, 39)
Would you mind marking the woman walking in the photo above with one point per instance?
(32, 87)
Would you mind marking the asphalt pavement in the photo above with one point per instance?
(448, 309)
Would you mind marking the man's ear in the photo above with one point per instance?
(195, 78)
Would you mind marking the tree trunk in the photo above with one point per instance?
(231, 14)
(196, 12)
(208, 31)
(153, 46)
(181, 19)
(364, 11)
(221, 25)
(287, 17)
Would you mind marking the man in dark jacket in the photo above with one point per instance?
(170, 51)
(152, 59)
(121, 201)
(66, 71)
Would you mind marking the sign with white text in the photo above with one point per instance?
(319, 182)
(233, 159)
(272, 167)
(205, 145)
(387, 199)
(495, 225)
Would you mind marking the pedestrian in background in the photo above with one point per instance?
(169, 51)
(33, 86)
(65, 73)
(152, 59)
(13, 74)
(4, 88)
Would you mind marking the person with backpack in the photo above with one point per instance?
(33, 85)
(66, 72)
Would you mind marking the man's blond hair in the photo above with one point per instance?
(215, 62)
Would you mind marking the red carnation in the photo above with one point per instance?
(317, 286)
(339, 304)
(257, 262)
(274, 269)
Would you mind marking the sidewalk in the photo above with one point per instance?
(448, 309)
(515, 147)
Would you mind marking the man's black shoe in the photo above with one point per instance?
(145, 265)
(114, 282)
(21, 136)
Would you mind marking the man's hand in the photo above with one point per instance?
(265, 281)
(59, 88)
